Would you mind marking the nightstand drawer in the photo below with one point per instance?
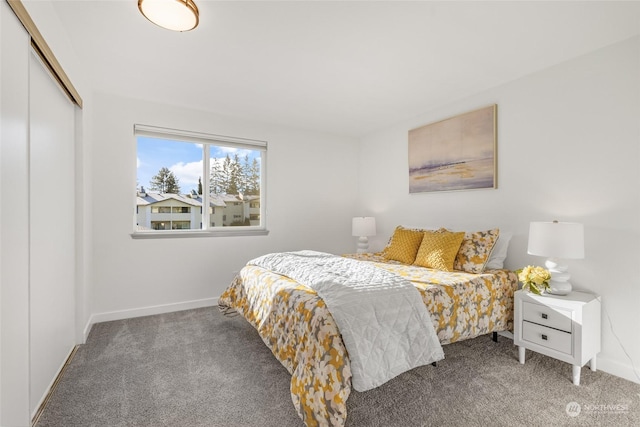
(553, 317)
(547, 337)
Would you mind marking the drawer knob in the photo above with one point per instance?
(544, 337)
(544, 315)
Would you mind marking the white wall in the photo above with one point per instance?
(568, 149)
(310, 199)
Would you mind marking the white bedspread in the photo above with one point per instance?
(384, 324)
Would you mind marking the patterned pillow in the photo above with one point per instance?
(475, 250)
(403, 246)
(438, 249)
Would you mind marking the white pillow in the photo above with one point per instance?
(499, 252)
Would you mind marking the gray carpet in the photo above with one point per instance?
(199, 368)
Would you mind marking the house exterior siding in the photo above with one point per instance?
(157, 211)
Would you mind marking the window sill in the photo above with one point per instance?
(170, 234)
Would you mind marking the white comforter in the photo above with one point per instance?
(384, 324)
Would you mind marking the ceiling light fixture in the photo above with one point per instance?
(176, 15)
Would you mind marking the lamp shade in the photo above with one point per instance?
(176, 15)
(363, 226)
(556, 239)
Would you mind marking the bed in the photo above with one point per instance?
(296, 324)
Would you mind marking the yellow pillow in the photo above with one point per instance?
(403, 246)
(438, 249)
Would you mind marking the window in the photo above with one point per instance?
(170, 225)
(180, 225)
(160, 209)
(159, 225)
(180, 172)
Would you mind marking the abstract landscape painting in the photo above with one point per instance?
(458, 153)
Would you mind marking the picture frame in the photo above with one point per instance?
(457, 153)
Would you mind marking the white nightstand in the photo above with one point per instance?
(565, 327)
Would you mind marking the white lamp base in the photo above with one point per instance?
(363, 244)
(559, 283)
(559, 288)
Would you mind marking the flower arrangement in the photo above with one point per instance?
(534, 279)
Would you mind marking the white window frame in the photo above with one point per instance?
(207, 140)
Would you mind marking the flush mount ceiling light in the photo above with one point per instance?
(176, 15)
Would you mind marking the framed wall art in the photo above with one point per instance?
(458, 153)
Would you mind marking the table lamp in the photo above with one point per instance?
(557, 241)
(363, 227)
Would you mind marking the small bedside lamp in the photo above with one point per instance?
(557, 240)
(363, 227)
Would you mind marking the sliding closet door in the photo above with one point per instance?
(51, 229)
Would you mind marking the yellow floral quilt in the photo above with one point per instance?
(298, 328)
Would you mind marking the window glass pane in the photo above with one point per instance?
(235, 179)
(167, 166)
(180, 225)
(160, 209)
(168, 173)
(159, 225)
(181, 209)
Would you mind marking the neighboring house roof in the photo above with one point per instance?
(215, 200)
(228, 197)
(144, 199)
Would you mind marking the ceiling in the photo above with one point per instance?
(348, 68)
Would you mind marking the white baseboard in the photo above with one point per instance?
(147, 311)
(42, 403)
(618, 369)
(87, 329)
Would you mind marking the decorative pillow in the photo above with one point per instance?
(475, 250)
(438, 249)
(404, 245)
(402, 227)
(499, 252)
